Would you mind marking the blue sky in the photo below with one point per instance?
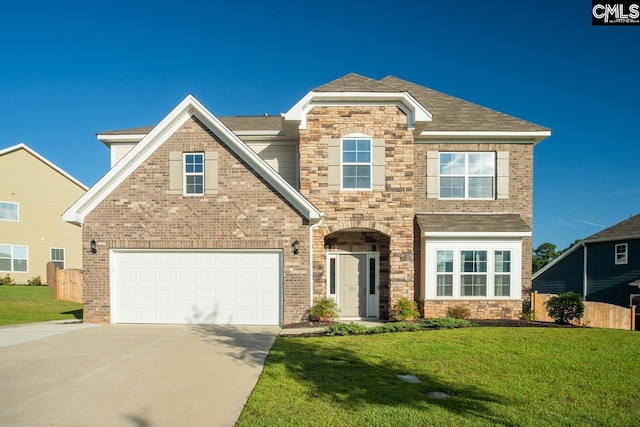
(72, 69)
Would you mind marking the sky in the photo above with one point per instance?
(69, 70)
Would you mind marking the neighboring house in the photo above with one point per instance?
(604, 267)
(33, 196)
(366, 191)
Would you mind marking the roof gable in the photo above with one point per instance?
(22, 146)
(627, 229)
(189, 107)
(355, 83)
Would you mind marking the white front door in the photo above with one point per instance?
(353, 281)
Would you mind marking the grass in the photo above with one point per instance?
(496, 375)
(26, 304)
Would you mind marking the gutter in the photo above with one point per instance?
(311, 230)
(584, 273)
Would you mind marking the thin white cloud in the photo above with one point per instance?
(589, 223)
(626, 192)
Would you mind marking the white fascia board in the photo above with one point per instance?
(43, 160)
(536, 136)
(415, 112)
(258, 133)
(107, 139)
(472, 235)
(154, 139)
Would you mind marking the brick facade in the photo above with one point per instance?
(245, 214)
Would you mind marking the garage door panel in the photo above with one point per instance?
(196, 287)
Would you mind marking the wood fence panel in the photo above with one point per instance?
(66, 284)
(596, 314)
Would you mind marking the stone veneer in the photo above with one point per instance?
(245, 214)
(389, 212)
(488, 309)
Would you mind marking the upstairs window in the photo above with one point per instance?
(622, 253)
(8, 211)
(467, 175)
(356, 163)
(194, 174)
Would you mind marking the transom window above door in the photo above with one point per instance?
(467, 175)
(356, 163)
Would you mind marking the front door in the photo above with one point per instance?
(635, 300)
(353, 282)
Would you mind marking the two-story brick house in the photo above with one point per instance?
(366, 191)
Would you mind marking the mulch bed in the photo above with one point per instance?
(478, 322)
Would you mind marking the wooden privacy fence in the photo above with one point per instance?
(596, 314)
(66, 284)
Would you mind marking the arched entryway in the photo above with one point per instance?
(358, 272)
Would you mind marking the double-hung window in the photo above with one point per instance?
(445, 273)
(57, 257)
(194, 174)
(502, 273)
(467, 175)
(14, 258)
(356, 163)
(8, 211)
(621, 253)
(473, 278)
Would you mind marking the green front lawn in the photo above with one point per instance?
(26, 304)
(497, 376)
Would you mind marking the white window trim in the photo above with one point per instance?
(356, 136)
(491, 246)
(467, 175)
(626, 253)
(64, 256)
(185, 174)
(13, 258)
(17, 211)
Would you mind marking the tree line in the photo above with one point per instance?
(546, 252)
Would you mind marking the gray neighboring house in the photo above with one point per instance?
(604, 267)
(366, 191)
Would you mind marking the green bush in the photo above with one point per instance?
(34, 281)
(565, 308)
(529, 316)
(7, 281)
(459, 312)
(445, 323)
(346, 329)
(396, 327)
(404, 309)
(324, 310)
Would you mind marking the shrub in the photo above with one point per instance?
(446, 323)
(458, 312)
(565, 307)
(404, 309)
(7, 281)
(324, 309)
(529, 316)
(34, 281)
(346, 329)
(396, 327)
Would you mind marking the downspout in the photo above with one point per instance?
(584, 273)
(311, 230)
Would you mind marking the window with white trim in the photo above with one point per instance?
(8, 211)
(356, 163)
(622, 253)
(473, 269)
(57, 257)
(194, 174)
(14, 258)
(467, 175)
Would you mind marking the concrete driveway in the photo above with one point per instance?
(128, 375)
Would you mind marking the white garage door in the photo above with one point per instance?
(239, 288)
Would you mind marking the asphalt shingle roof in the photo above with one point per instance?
(627, 229)
(472, 223)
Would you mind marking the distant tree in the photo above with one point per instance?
(543, 255)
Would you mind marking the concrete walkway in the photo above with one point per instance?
(74, 374)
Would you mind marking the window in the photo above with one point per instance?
(194, 173)
(473, 269)
(9, 211)
(57, 257)
(467, 175)
(13, 258)
(445, 273)
(502, 270)
(621, 253)
(356, 164)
